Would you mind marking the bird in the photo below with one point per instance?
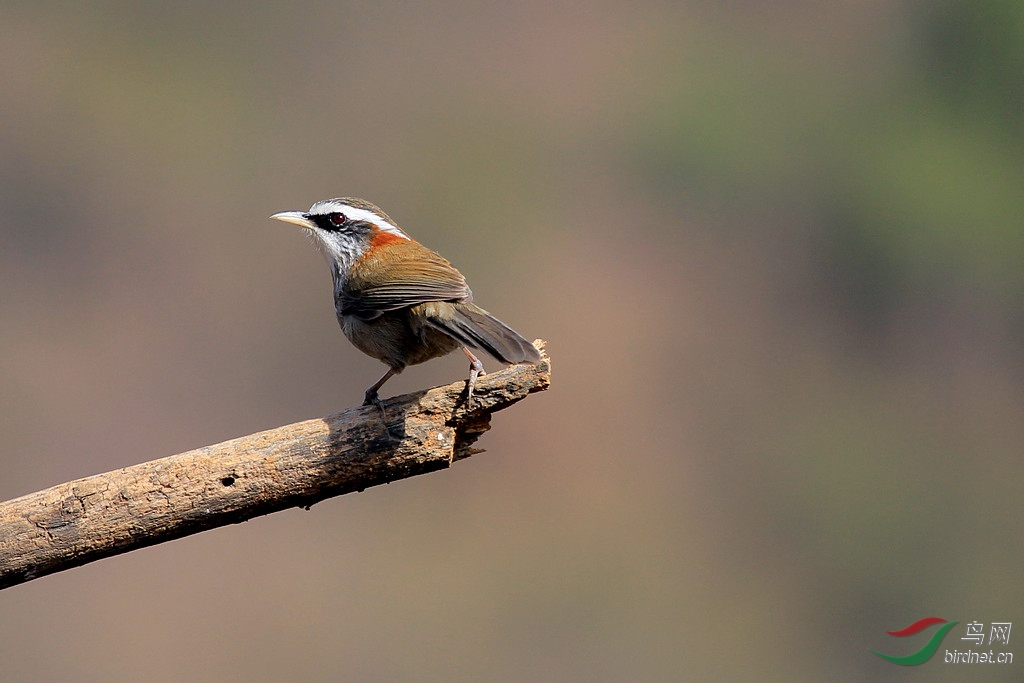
(398, 301)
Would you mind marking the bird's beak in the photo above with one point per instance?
(296, 218)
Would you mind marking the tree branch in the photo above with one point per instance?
(292, 466)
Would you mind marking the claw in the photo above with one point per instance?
(476, 368)
(372, 399)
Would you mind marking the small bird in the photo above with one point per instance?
(398, 301)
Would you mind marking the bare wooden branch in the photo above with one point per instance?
(292, 466)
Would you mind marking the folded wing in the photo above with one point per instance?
(397, 276)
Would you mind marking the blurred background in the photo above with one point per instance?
(776, 248)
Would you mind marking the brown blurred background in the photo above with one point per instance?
(777, 250)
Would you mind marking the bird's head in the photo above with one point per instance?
(344, 229)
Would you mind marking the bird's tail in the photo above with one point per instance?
(474, 327)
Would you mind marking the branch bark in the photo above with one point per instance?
(296, 465)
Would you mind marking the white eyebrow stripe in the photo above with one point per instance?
(356, 214)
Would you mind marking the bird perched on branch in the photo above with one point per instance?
(398, 301)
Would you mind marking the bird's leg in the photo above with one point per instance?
(372, 399)
(476, 368)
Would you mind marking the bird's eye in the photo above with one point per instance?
(337, 218)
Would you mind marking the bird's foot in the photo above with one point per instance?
(372, 399)
(476, 368)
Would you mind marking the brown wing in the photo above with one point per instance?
(397, 275)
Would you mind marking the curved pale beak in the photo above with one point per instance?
(296, 218)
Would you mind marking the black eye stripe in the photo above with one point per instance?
(331, 222)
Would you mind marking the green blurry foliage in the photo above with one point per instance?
(912, 168)
(974, 54)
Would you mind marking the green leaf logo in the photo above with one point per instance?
(926, 652)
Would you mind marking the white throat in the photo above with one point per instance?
(342, 249)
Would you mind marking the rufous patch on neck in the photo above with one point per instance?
(379, 238)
